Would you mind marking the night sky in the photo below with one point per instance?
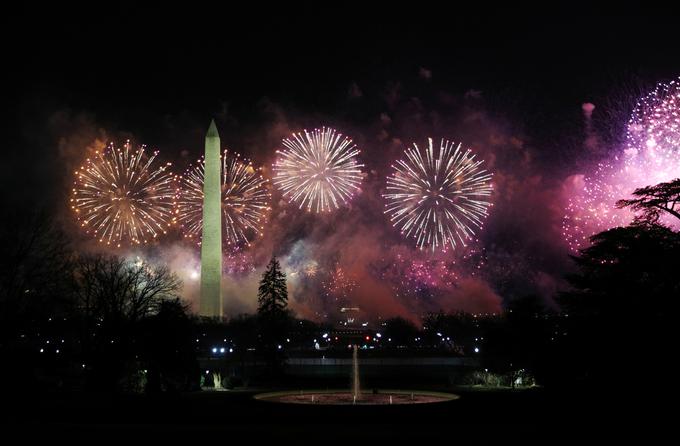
(507, 84)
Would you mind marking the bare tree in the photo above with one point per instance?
(652, 201)
(34, 267)
(115, 289)
(34, 271)
(113, 298)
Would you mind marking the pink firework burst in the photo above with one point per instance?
(413, 274)
(651, 156)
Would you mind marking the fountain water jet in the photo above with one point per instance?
(217, 380)
(356, 388)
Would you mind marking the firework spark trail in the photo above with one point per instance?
(655, 121)
(339, 285)
(438, 199)
(238, 263)
(120, 197)
(593, 209)
(419, 275)
(318, 170)
(245, 200)
(651, 156)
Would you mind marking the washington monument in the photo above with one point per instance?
(211, 244)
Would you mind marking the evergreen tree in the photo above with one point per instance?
(272, 296)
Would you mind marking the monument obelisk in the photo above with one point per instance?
(211, 242)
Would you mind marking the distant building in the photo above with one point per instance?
(351, 329)
(351, 314)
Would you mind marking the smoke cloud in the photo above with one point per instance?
(519, 250)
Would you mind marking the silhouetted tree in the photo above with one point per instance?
(273, 317)
(519, 339)
(242, 329)
(401, 331)
(112, 296)
(244, 332)
(460, 328)
(35, 267)
(625, 271)
(114, 289)
(272, 296)
(652, 201)
(167, 351)
(623, 302)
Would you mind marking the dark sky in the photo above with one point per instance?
(115, 59)
(159, 75)
(128, 65)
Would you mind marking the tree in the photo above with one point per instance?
(623, 302)
(401, 331)
(112, 296)
(35, 267)
(167, 349)
(519, 340)
(626, 270)
(34, 270)
(115, 290)
(456, 330)
(272, 296)
(243, 331)
(274, 320)
(651, 201)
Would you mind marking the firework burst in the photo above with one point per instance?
(651, 156)
(318, 170)
(308, 269)
(422, 275)
(438, 198)
(245, 200)
(655, 122)
(121, 197)
(427, 278)
(238, 263)
(593, 207)
(339, 285)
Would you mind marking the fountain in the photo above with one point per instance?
(217, 380)
(354, 396)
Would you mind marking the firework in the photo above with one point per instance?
(655, 122)
(413, 276)
(339, 285)
(307, 269)
(245, 200)
(593, 207)
(238, 263)
(318, 170)
(438, 198)
(650, 157)
(419, 275)
(121, 197)
(310, 269)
